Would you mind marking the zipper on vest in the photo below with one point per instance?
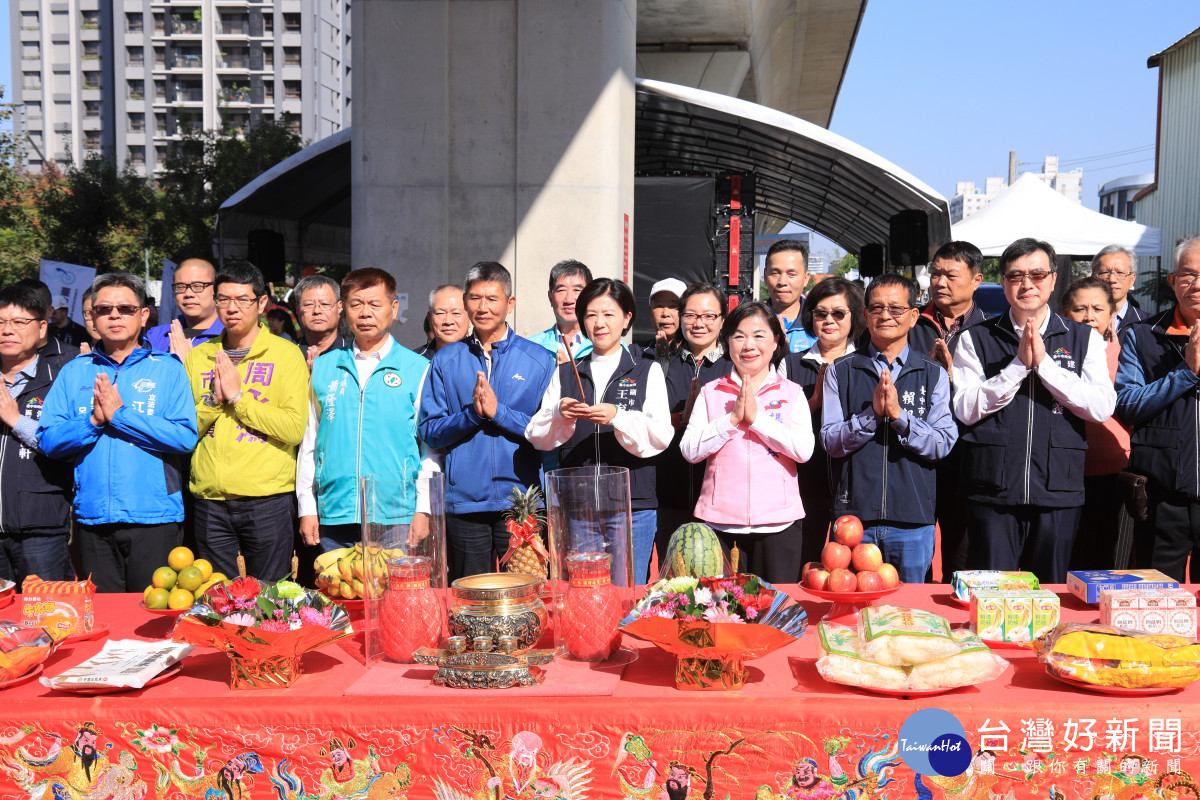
(883, 499)
(3, 452)
(1029, 439)
(362, 399)
(1196, 440)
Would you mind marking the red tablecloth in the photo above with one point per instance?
(594, 732)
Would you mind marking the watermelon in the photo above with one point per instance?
(694, 551)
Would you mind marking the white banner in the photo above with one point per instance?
(67, 284)
(166, 303)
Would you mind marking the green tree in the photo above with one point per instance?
(97, 216)
(844, 264)
(205, 169)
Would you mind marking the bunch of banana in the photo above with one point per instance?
(343, 574)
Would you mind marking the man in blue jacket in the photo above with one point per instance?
(125, 415)
(1158, 391)
(477, 401)
(364, 393)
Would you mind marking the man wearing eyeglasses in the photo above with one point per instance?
(251, 399)
(319, 308)
(886, 422)
(1025, 382)
(1118, 266)
(35, 491)
(197, 321)
(124, 414)
(1158, 394)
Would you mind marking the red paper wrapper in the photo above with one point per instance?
(709, 655)
(256, 653)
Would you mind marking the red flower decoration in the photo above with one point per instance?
(247, 588)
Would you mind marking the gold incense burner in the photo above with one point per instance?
(497, 606)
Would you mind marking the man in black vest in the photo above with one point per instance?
(1024, 384)
(886, 422)
(1158, 393)
(35, 491)
(956, 272)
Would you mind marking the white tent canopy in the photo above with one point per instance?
(1030, 208)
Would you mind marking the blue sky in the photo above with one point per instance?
(945, 88)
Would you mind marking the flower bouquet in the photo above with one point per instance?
(714, 625)
(263, 629)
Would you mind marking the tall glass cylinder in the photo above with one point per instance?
(404, 570)
(591, 559)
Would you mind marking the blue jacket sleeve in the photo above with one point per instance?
(840, 436)
(440, 425)
(514, 421)
(1138, 401)
(172, 429)
(61, 432)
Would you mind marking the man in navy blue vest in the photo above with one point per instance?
(1025, 383)
(955, 273)
(886, 422)
(1158, 394)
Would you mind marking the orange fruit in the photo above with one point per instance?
(205, 568)
(146, 592)
(180, 598)
(190, 578)
(179, 558)
(157, 598)
(218, 577)
(164, 578)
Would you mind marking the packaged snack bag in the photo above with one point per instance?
(901, 637)
(63, 608)
(21, 649)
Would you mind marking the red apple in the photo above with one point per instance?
(817, 578)
(848, 530)
(809, 567)
(869, 582)
(842, 580)
(866, 558)
(891, 578)
(835, 556)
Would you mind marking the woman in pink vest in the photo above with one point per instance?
(753, 427)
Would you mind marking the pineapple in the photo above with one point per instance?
(526, 558)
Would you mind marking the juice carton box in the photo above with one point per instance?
(1013, 615)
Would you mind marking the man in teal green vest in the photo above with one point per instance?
(362, 418)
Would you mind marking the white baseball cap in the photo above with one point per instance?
(672, 285)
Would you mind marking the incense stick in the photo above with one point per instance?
(575, 369)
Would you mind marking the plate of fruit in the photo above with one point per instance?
(851, 572)
(345, 576)
(175, 586)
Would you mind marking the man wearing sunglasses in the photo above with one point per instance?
(35, 491)
(1025, 382)
(251, 400)
(197, 321)
(124, 414)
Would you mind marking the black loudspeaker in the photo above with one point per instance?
(871, 260)
(733, 240)
(265, 250)
(908, 238)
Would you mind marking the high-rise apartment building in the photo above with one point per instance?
(128, 76)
